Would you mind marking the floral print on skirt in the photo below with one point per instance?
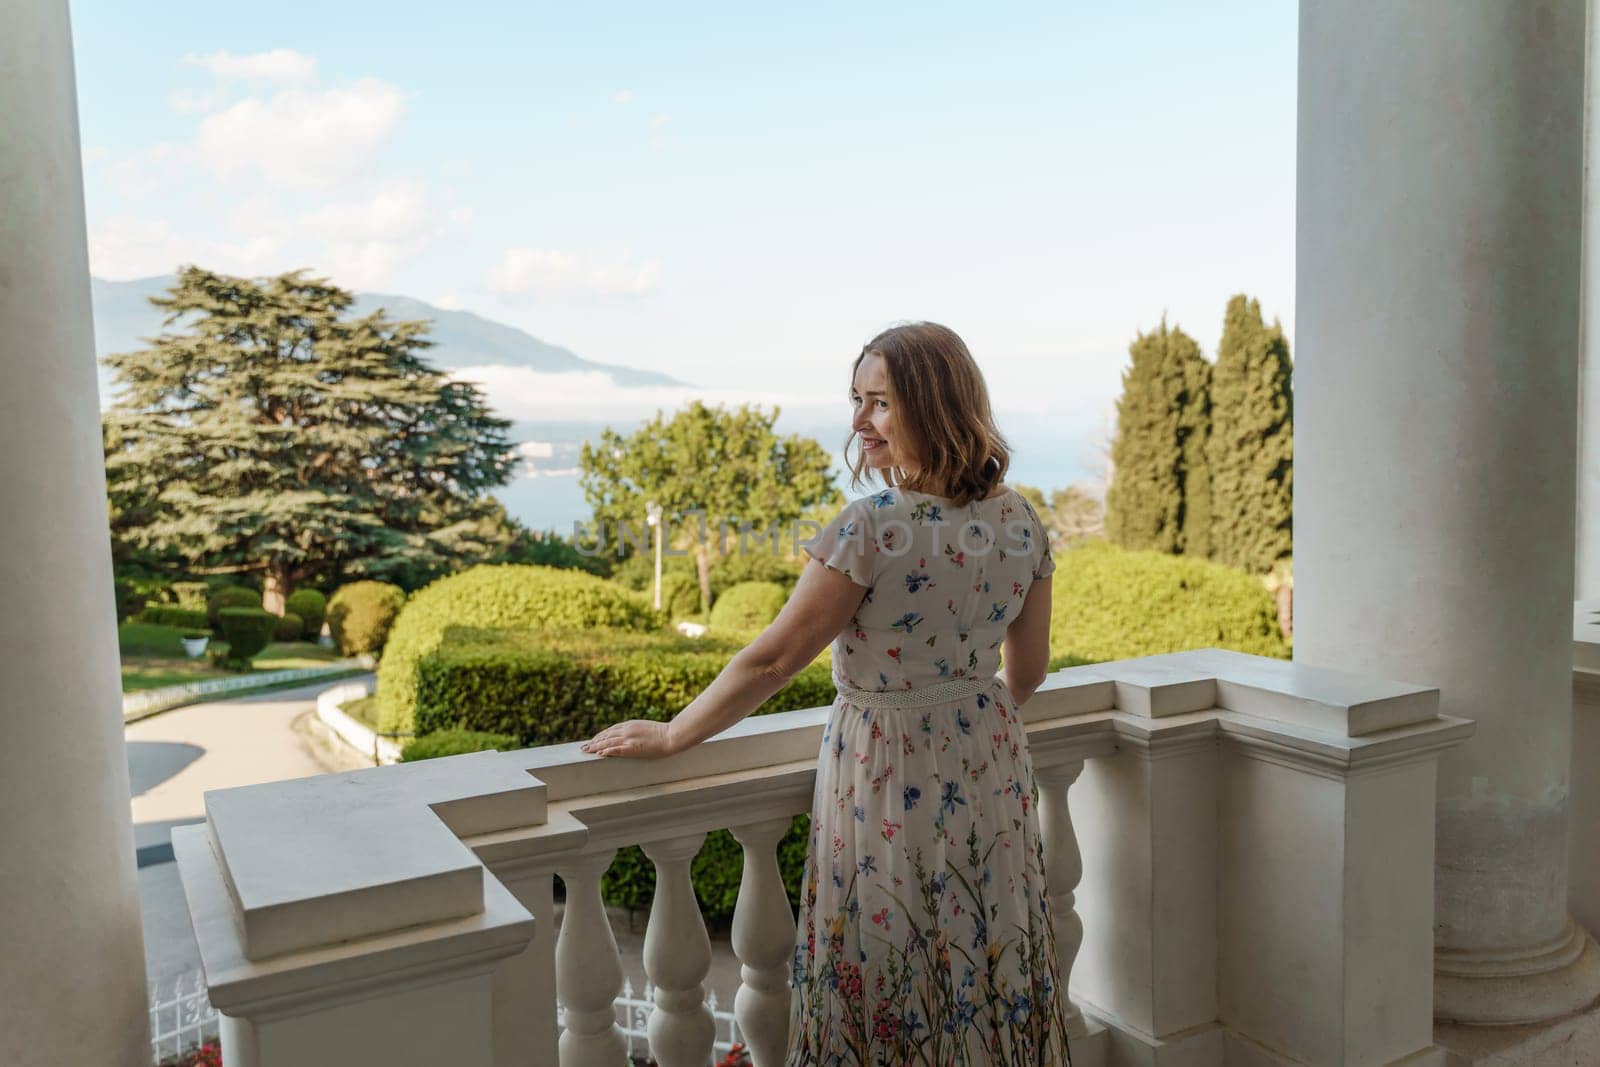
(924, 934)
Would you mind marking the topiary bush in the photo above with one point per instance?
(361, 614)
(747, 606)
(1113, 603)
(230, 596)
(312, 607)
(248, 631)
(455, 743)
(516, 596)
(291, 627)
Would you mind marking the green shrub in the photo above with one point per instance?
(248, 631)
(291, 627)
(312, 607)
(170, 615)
(494, 596)
(230, 596)
(747, 606)
(1112, 603)
(548, 688)
(454, 743)
(140, 638)
(361, 614)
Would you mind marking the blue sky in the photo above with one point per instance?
(737, 195)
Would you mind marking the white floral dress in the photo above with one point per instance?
(924, 933)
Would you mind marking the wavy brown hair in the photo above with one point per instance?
(941, 405)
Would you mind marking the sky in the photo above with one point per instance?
(738, 195)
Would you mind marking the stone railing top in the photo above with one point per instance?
(328, 864)
(1586, 635)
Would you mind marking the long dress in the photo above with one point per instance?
(924, 934)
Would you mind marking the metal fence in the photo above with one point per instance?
(181, 1016)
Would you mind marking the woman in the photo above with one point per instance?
(924, 934)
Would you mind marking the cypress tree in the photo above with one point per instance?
(1251, 449)
(1153, 451)
(1194, 434)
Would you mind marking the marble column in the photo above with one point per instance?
(72, 979)
(1440, 198)
(1588, 559)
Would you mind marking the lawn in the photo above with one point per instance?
(152, 657)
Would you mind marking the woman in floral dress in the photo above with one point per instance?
(924, 934)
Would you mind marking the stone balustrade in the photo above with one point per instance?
(1244, 875)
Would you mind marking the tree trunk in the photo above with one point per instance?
(279, 584)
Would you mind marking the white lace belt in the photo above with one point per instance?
(953, 689)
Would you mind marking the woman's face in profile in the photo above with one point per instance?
(873, 416)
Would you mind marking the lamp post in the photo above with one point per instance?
(653, 517)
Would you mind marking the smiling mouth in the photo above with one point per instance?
(871, 443)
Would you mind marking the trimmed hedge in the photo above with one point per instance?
(248, 632)
(312, 607)
(520, 596)
(290, 627)
(361, 614)
(747, 606)
(455, 743)
(1113, 603)
(230, 596)
(630, 881)
(170, 615)
(550, 688)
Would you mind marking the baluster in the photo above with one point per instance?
(677, 957)
(1063, 867)
(588, 968)
(763, 939)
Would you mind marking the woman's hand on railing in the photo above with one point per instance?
(635, 739)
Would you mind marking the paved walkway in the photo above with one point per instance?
(174, 757)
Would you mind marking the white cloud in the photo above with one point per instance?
(282, 66)
(660, 121)
(623, 96)
(126, 247)
(301, 139)
(538, 272)
(519, 393)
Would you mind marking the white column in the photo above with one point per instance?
(1440, 202)
(1588, 568)
(763, 939)
(72, 965)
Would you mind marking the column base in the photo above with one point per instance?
(1536, 986)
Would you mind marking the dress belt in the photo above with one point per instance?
(952, 689)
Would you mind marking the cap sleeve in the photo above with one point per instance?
(848, 543)
(1047, 559)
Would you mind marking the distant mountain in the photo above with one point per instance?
(124, 320)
